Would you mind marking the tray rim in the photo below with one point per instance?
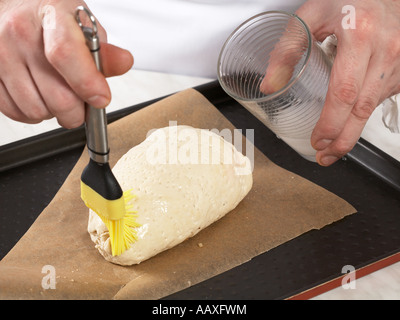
(60, 140)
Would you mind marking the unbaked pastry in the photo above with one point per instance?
(183, 180)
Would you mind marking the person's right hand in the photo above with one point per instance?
(48, 71)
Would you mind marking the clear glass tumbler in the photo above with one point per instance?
(272, 66)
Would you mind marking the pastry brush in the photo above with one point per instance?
(100, 190)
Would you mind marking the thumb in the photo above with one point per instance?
(288, 50)
(116, 61)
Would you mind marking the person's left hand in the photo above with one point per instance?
(365, 71)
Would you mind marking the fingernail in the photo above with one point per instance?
(328, 160)
(322, 144)
(98, 101)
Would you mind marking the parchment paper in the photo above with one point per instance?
(280, 207)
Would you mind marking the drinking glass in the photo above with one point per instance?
(272, 66)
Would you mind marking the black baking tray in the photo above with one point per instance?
(32, 171)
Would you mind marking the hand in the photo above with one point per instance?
(49, 72)
(364, 73)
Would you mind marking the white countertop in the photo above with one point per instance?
(139, 86)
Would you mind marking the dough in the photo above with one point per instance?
(183, 180)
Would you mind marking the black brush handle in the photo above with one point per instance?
(99, 177)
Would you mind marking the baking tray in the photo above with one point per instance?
(32, 171)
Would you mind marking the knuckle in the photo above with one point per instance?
(17, 26)
(89, 87)
(366, 22)
(364, 108)
(58, 52)
(328, 131)
(346, 92)
(70, 111)
(342, 148)
(66, 102)
(37, 113)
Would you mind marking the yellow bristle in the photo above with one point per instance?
(122, 232)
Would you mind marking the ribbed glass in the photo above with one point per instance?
(277, 37)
